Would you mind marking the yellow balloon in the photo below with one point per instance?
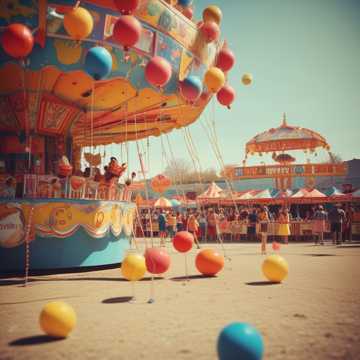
(214, 79)
(57, 319)
(133, 267)
(275, 268)
(78, 23)
(212, 13)
(247, 79)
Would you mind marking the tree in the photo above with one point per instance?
(177, 170)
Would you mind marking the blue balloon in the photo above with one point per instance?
(184, 3)
(98, 63)
(240, 341)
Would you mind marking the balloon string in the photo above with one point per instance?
(27, 246)
(92, 122)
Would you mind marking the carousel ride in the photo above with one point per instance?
(84, 74)
(278, 142)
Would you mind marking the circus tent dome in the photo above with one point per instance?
(286, 137)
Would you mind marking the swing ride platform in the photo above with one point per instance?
(63, 233)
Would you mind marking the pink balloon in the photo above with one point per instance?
(210, 31)
(276, 246)
(158, 71)
(157, 260)
(225, 59)
(226, 95)
(188, 12)
(127, 31)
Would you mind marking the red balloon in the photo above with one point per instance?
(210, 31)
(188, 12)
(126, 6)
(225, 59)
(127, 31)
(209, 262)
(17, 41)
(158, 71)
(275, 246)
(226, 95)
(157, 260)
(183, 241)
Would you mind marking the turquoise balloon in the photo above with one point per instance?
(240, 341)
(98, 63)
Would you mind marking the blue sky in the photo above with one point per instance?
(305, 59)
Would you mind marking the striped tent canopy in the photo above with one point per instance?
(213, 191)
(333, 191)
(356, 193)
(303, 193)
(281, 194)
(265, 194)
(163, 202)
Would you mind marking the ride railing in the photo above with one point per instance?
(73, 187)
(239, 230)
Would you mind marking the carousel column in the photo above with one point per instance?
(76, 157)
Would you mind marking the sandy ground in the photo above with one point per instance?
(314, 314)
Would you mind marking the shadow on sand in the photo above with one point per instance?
(191, 277)
(262, 283)
(34, 340)
(117, 300)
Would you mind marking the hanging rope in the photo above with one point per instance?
(27, 245)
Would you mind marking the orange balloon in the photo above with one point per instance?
(78, 23)
(209, 262)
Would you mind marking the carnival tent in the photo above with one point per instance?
(333, 191)
(213, 191)
(163, 202)
(175, 203)
(265, 194)
(356, 193)
(281, 194)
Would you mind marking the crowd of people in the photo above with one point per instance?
(249, 223)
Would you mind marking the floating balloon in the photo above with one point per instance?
(78, 23)
(158, 71)
(212, 13)
(133, 267)
(160, 183)
(57, 319)
(157, 260)
(127, 31)
(210, 31)
(209, 262)
(188, 13)
(226, 95)
(275, 246)
(98, 63)
(214, 79)
(184, 3)
(247, 79)
(17, 41)
(191, 88)
(225, 59)
(183, 241)
(126, 7)
(240, 341)
(275, 268)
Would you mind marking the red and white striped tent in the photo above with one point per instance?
(213, 191)
(162, 203)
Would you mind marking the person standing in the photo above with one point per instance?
(202, 224)
(253, 219)
(319, 224)
(212, 225)
(193, 228)
(171, 224)
(284, 225)
(264, 226)
(337, 218)
(162, 227)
